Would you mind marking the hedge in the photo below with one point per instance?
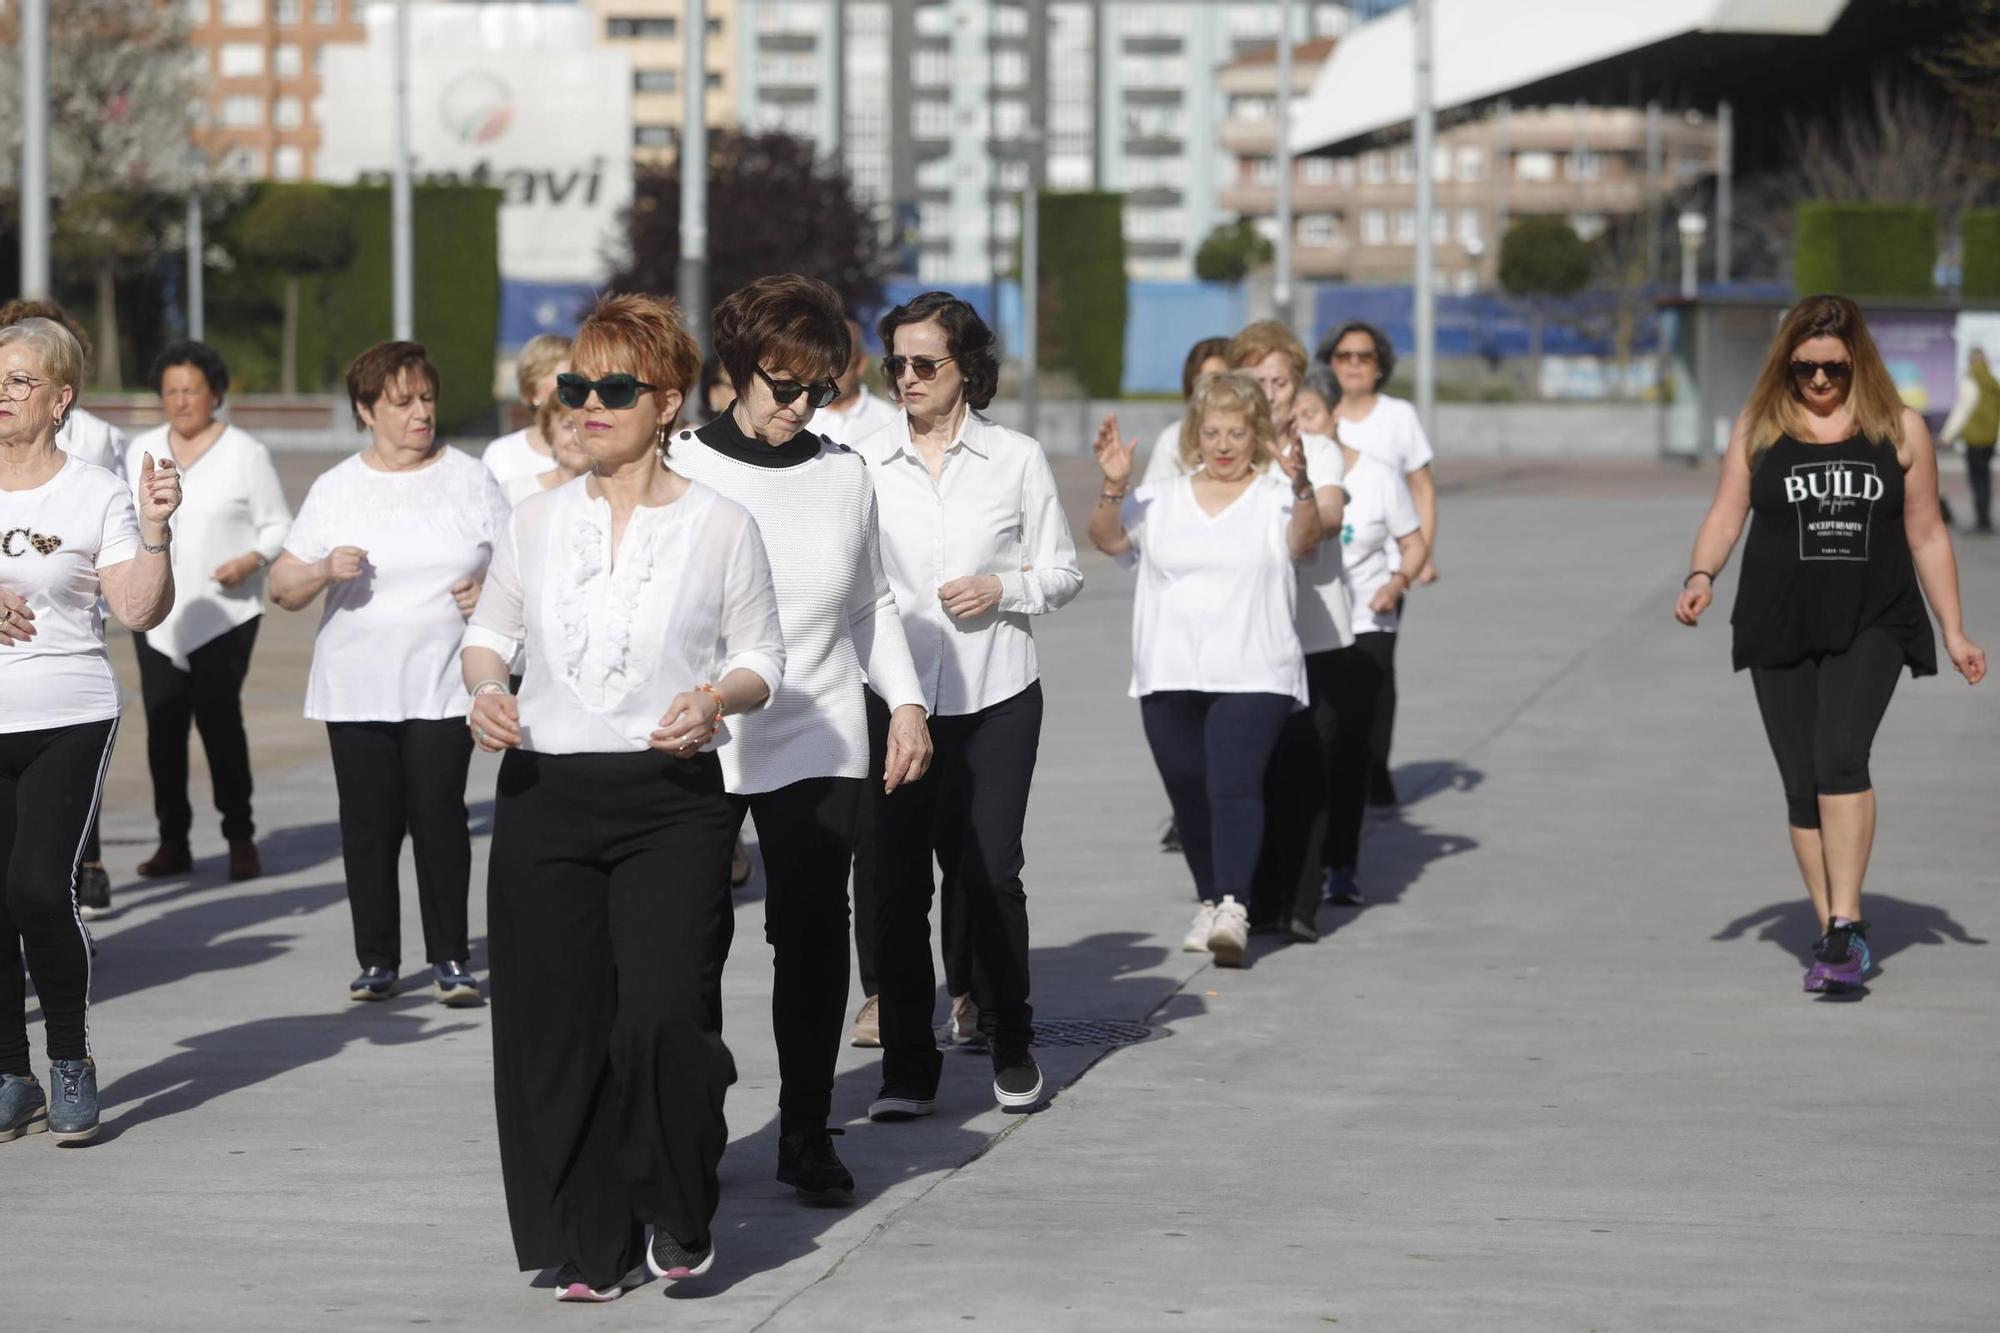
(1979, 229)
(1082, 316)
(1865, 250)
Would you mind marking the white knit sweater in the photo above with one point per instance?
(818, 522)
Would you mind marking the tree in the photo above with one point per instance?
(1231, 251)
(300, 231)
(1541, 257)
(773, 207)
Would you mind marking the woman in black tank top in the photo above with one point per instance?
(1845, 546)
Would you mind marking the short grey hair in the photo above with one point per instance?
(61, 354)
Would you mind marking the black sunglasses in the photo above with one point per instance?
(819, 392)
(925, 366)
(616, 392)
(1805, 372)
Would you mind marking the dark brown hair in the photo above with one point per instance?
(382, 365)
(793, 322)
(1207, 349)
(967, 341)
(1385, 351)
(641, 335)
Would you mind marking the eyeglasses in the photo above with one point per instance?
(1354, 358)
(616, 392)
(925, 366)
(818, 393)
(1836, 372)
(16, 388)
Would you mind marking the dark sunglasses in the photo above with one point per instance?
(1354, 358)
(925, 366)
(616, 392)
(819, 392)
(1805, 372)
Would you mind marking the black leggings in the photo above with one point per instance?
(49, 786)
(208, 694)
(1979, 474)
(1353, 684)
(1212, 751)
(1821, 715)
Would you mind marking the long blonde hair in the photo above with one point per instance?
(1776, 409)
(1228, 391)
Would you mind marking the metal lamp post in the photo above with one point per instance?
(1693, 226)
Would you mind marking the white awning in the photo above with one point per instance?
(1487, 48)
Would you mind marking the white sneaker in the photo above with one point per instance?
(1230, 934)
(1196, 939)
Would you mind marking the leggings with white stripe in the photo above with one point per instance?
(49, 785)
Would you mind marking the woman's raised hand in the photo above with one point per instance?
(159, 491)
(1114, 456)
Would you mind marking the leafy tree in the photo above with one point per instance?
(1231, 251)
(1543, 257)
(773, 207)
(300, 231)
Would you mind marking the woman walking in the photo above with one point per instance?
(193, 663)
(552, 423)
(1216, 662)
(975, 542)
(645, 606)
(1975, 423)
(398, 538)
(1842, 479)
(530, 451)
(799, 764)
(70, 542)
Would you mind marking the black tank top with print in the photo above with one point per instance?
(1826, 557)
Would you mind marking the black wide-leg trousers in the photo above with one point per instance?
(609, 919)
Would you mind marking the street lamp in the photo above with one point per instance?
(1693, 226)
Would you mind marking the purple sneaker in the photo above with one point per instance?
(1841, 961)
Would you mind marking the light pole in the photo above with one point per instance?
(1425, 135)
(1281, 287)
(197, 321)
(693, 282)
(1693, 226)
(402, 249)
(34, 148)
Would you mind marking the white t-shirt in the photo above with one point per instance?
(1390, 432)
(388, 641)
(231, 505)
(512, 456)
(1379, 513)
(611, 642)
(53, 541)
(869, 414)
(1165, 460)
(520, 487)
(1214, 606)
(93, 439)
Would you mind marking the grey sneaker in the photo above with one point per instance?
(93, 890)
(73, 1106)
(23, 1108)
(454, 986)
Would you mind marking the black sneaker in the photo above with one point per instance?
(374, 983)
(1017, 1079)
(671, 1261)
(1170, 841)
(901, 1104)
(808, 1163)
(93, 890)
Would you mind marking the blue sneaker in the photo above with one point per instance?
(454, 986)
(73, 1104)
(374, 983)
(1340, 889)
(1841, 961)
(23, 1108)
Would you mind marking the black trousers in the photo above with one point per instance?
(1351, 684)
(1289, 860)
(50, 782)
(1821, 716)
(397, 778)
(1381, 733)
(1213, 751)
(951, 901)
(1979, 472)
(609, 919)
(209, 694)
(967, 813)
(806, 832)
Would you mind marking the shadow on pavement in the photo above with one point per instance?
(1894, 925)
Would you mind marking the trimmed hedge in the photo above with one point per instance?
(1082, 287)
(1865, 250)
(1979, 229)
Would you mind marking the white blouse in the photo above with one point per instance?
(1213, 610)
(93, 439)
(231, 505)
(851, 425)
(610, 641)
(387, 649)
(992, 510)
(511, 456)
(1380, 513)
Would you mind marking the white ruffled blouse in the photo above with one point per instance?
(610, 642)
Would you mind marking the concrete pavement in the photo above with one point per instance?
(1558, 1075)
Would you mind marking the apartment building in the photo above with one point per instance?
(1354, 214)
(263, 60)
(649, 32)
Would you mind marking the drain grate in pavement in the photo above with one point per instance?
(1089, 1032)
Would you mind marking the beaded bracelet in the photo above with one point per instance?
(721, 706)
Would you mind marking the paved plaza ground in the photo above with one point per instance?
(1557, 1075)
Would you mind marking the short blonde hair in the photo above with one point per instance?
(539, 357)
(1262, 338)
(1228, 391)
(61, 354)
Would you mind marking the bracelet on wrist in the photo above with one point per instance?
(721, 706)
(492, 685)
(150, 549)
(1691, 576)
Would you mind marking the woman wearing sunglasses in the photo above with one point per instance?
(800, 763)
(976, 545)
(398, 538)
(644, 604)
(1846, 545)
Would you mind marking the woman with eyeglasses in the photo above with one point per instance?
(71, 543)
(798, 766)
(1846, 546)
(644, 603)
(397, 538)
(976, 545)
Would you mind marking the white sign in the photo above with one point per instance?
(551, 128)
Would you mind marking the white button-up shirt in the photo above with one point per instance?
(992, 509)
